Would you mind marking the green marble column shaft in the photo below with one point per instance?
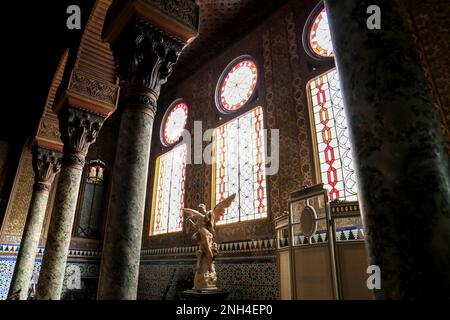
(400, 160)
(123, 234)
(45, 165)
(145, 48)
(59, 233)
(79, 129)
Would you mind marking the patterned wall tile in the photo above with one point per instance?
(88, 269)
(165, 279)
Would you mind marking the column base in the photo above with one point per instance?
(204, 294)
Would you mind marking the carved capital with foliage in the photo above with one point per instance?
(79, 129)
(144, 59)
(46, 164)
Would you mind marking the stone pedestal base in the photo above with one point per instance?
(204, 295)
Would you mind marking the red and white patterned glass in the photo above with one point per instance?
(240, 167)
(170, 188)
(238, 85)
(332, 137)
(174, 123)
(320, 37)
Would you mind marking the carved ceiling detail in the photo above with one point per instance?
(221, 22)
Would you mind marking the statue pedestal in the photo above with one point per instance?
(204, 295)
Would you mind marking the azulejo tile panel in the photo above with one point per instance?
(244, 278)
(87, 261)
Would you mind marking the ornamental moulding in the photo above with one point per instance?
(89, 92)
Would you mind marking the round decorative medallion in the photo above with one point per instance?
(174, 123)
(237, 85)
(308, 221)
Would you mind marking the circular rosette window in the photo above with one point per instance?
(316, 34)
(174, 122)
(237, 85)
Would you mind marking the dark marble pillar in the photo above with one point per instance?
(401, 164)
(45, 165)
(123, 235)
(79, 129)
(145, 51)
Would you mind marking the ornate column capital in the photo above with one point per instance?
(146, 38)
(144, 60)
(79, 129)
(46, 164)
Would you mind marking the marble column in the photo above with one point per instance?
(122, 243)
(144, 56)
(46, 164)
(79, 129)
(401, 164)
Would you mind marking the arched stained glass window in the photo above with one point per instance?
(332, 137)
(318, 37)
(237, 85)
(239, 167)
(168, 193)
(174, 122)
(170, 173)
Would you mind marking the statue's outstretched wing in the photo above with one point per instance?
(190, 218)
(219, 209)
(191, 213)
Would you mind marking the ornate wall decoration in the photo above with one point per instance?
(184, 10)
(285, 98)
(254, 278)
(20, 198)
(271, 118)
(197, 182)
(259, 246)
(429, 34)
(94, 88)
(49, 129)
(301, 108)
(87, 261)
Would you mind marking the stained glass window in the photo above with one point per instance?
(175, 122)
(168, 196)
(240, 167)
(238, 85)
(331, 131)
(320, 37)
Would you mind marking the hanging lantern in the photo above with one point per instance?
(96, 168)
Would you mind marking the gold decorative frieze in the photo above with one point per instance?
(94, 88)
(185, 11)
(19, 200)
(177, 18)
(48, 134)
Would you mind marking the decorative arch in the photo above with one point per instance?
(48, 129)
(170, 172)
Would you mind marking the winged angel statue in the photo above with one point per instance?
(201, 223)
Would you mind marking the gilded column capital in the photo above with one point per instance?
(46, 164)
